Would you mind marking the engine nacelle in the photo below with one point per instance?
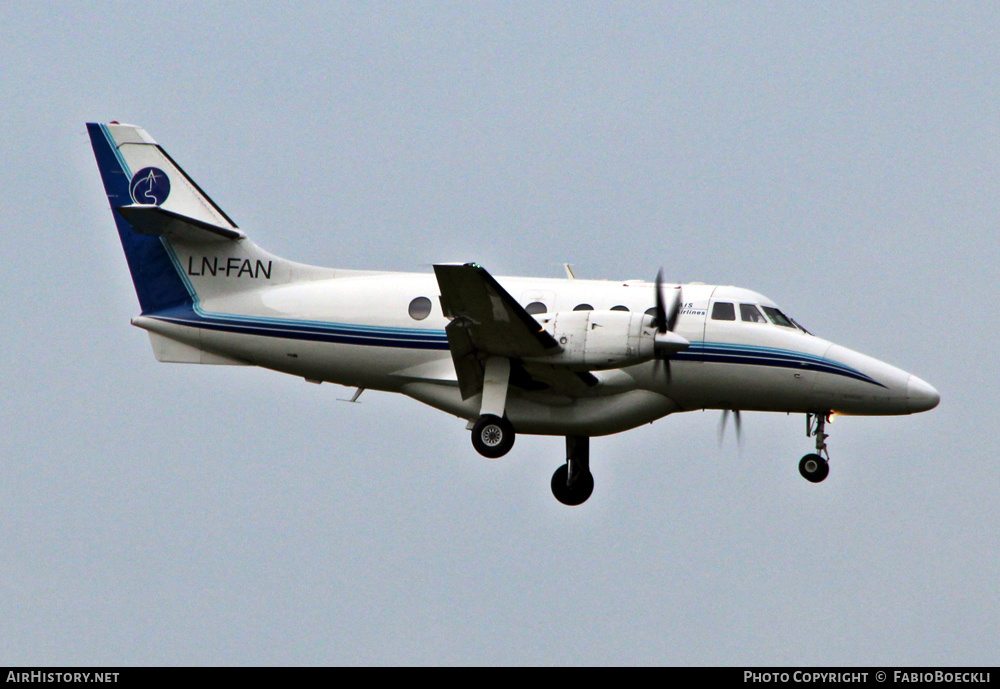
(595, 340)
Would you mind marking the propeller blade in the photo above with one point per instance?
(661, 312)
(666, 345)
(736, 422)
(675, 310)
(664, 363)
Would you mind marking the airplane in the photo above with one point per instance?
(509, 355)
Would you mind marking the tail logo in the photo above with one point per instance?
(150, 186)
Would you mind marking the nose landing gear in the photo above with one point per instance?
(814, 467)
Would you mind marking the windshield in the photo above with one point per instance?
(778, 318)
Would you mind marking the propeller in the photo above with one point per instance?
(736, 423)
(666, 342)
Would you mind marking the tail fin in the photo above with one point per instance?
(131, 162)
(163, 218)
(183, 251)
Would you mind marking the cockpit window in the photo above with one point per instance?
(777, 317)
(750, 314)
(723, 311)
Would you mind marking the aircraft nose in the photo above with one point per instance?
(920, 396)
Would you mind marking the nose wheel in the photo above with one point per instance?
(813, 467)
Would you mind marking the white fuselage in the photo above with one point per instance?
(356, 329)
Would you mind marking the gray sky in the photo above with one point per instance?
(840, 158)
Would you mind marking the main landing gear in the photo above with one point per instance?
(813, 467)
(573, 483)
(492, 436)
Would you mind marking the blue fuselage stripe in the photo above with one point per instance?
(754, 359)
(410, 338)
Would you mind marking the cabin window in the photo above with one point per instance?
(535, 308)
(751, 314)
(777, 317)
(723, 311)
(420, 308)
(619, 308)
(583, 307)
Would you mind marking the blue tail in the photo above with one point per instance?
(157, 283)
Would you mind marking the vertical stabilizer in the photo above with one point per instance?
(135, 172)
(182, 249)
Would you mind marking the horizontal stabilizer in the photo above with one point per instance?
(159, 222)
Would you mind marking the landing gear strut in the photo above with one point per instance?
(573, 483)
(814, 467)
(493, 434)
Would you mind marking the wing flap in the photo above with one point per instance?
(560, 379)
(468, 366)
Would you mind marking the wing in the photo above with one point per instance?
(488, 321)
